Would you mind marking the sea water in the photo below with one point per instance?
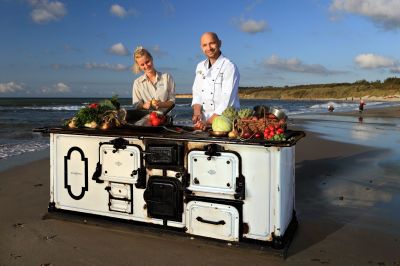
(19, 116)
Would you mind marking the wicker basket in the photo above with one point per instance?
(253, 126)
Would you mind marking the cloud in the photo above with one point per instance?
(118, 49)
(61, 87)
(384, 13)
(168, 7)
(252, 5)
(370, 61)
(118, 11)
(395, 70)
(56, 88)
(252, 26)
(11, 87)
(107, 66)
(295, 65)
(121, 12)
(45, 11)
(69, 48)
(156, 50)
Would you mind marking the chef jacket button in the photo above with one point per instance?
(202, 90)
(203, 102)
(211, 104)
(212, 80)
(211, 93)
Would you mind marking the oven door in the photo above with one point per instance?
(164, 155)
(213, 174)
(164, 198)
(212, 220)
(120, 165)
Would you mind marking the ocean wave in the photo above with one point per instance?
(8, 150)
(54, 108)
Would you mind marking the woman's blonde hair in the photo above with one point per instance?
(139, 52)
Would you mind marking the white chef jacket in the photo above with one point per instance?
(217, 87)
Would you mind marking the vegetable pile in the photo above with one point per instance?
(104, 115)
(246, 124)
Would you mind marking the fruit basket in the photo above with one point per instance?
(261, 119)
(252, 126)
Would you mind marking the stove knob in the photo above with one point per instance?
(196, 181)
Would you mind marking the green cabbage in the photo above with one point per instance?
(221, 123)
(230, 113)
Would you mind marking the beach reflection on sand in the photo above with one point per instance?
(370, 131)
(359, 188)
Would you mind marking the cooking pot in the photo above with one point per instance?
(261, 110)
(278, 113)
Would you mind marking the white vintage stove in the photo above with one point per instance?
(212, 187)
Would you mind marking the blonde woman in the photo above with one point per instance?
(153, 89)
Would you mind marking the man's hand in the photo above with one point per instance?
(196, 113)
(200, 125)
(211, 119)
(196, 118)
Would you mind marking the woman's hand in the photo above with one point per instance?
(155, 104)
(146, 105)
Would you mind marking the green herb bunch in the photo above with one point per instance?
(93, 112)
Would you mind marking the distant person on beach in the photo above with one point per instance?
(361, 106)
(216, 84)
(331, 108)
(153, 89)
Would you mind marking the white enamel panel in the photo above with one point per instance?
(120, 206)
(121, 164)
(120, 190)
(215, 174)
(212, 220)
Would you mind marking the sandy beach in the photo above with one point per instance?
(347, 199)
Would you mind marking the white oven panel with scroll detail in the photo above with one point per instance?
(213, 174)
(121, 165)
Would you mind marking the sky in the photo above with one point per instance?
(83, 48)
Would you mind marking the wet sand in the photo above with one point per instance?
(347, 199)
(377, 112)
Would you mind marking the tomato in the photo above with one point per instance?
(155, 122)
(93, 105)
(271, 127)
(153, 115)
(279, 131)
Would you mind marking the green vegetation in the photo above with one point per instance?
(390, 88)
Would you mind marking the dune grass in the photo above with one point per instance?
(390, 88)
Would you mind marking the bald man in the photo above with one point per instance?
(216, 84)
